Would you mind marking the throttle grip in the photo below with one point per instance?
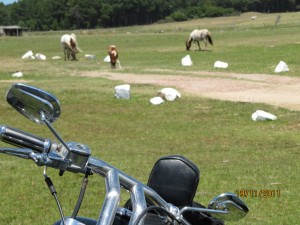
(23, 139)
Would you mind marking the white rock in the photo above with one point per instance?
(186, 61)
(170, 94)
(17, 74)
(281, 67)
(40, 56)
(260, 115)
(220, 64)
(28, 55)
(122, 91)
(56, 57)
(107, 59)
(156, 100)
(88, 56)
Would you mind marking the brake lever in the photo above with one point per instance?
(18, 152)
(25, 153)
(41, 159)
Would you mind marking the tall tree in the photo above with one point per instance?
(4, 15)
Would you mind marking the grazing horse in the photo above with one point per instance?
(70, 46)
(197, 36)
(114, 56)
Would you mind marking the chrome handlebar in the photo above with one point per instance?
(20, 138)
(77, 158)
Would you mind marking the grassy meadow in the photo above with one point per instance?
(233, 152)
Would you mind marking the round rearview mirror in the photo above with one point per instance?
(236, 208)
(31, 102)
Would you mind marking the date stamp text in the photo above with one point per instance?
(258, 193)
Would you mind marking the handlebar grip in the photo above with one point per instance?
(20, 138)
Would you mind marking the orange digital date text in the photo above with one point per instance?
(258, 193)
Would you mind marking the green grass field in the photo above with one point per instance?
(233, 152)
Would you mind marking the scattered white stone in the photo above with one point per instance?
(56, 57)
(28, 55)
(281, 67)
(88, 56)
(122, 91)
(220, 64)
(40, 56)
(17, 74)
(170, 94)
(186, 61)
(260, 115)
(107, 59)
(156, 100)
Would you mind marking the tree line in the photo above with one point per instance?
(44, 15)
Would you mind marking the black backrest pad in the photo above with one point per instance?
(175, 178)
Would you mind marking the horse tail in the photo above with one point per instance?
(209, 38)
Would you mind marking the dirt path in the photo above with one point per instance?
(280, 90)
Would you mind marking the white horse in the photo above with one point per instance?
(197, 36)
(70, 46)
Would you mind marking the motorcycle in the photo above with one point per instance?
(166, 199)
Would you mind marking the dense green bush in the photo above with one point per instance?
(200, 12)
(179, 16)
(213, 11)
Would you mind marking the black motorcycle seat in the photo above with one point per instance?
(175, 178)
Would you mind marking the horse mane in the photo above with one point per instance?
(209, 38)
(72, 43)
(112, 47)
(188, 42)
(112, 51)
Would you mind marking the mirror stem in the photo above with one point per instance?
(43, 117)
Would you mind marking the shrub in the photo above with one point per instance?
(213, 11)
(179, 16)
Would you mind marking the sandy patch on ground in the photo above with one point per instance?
(279, 90)
(15, 81)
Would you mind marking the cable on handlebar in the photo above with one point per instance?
(54, 193)
(82, 192)
(154, 208)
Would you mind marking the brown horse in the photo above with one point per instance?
(114, 56)
(197, 36)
